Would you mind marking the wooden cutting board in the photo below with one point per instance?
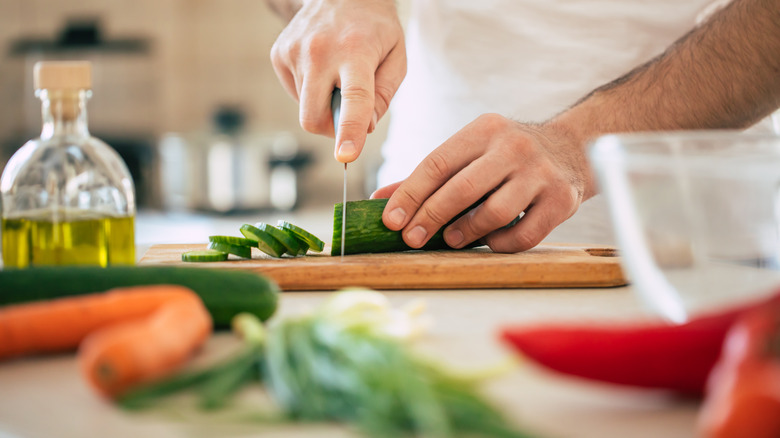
(547, 266)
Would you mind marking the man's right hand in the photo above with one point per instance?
(356, 45)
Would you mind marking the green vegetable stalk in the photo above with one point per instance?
(316, 372)
(347, 362)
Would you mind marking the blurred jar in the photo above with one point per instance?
(230, 170)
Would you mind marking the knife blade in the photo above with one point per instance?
(335, 108)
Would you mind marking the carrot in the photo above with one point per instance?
(126, 336)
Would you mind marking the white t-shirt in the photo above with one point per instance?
(524, 59)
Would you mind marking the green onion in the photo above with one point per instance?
(341, 363)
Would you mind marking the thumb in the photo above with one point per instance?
(386, 191)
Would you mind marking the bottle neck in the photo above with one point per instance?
(64, 113)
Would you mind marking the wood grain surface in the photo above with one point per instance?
(547, 266)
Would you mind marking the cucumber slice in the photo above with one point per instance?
(231, 240)
(311, 240)
(290, 243)
(263, 240)
(205, 255)
(238, 250)
(304, 248)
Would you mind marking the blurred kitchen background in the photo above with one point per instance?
(185, 92)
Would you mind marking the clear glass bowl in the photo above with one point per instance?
(695, 215)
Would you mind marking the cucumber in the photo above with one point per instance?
(366, 233)
(206, 255)
(238, 250)
(311, 240)
(263, 240)
(290, 243)
(225, 293)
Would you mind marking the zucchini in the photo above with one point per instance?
(225, 293)
(366, 233)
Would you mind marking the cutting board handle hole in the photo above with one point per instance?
(602, 252)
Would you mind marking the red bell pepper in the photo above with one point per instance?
(673, 357)
(743, 391)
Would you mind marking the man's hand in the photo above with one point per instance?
(723, 74)
(525, 169)
(356, 45)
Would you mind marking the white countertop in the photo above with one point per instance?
(46, 397)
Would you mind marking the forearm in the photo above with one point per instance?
(723, 74)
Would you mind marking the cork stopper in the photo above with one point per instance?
(63, 75)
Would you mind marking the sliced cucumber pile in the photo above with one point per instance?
(275, 241)
(287, 239)
(263, 240)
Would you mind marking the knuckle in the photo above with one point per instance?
(546, 221)
(498, 214)
(523, 240)
(493, 121)
(436, 166)
(484, 220)
(349, 126)
(383, 95)
(565, 199)
(466, 186)
(310, 122)
(285, 48)
(561, 193)
(433, 215)
(276, 56)
(472, 228)
(316, 45)
(356, 92)
(409, 198)
(279, 58)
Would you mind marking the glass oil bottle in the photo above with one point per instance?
(67, 198)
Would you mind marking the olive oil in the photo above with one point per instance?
(66, 197)
(80, 240)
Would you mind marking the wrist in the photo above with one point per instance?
(574, 130)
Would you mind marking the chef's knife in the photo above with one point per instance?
(335, 108)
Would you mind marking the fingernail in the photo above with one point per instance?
(453, 237)
(347, 149)
(397, 217)
(417, 236)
